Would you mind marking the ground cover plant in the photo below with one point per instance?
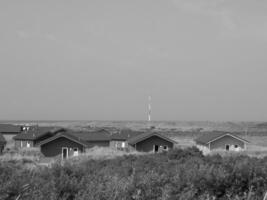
(183, 174)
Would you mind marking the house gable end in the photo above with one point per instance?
(230, 135)
(60, 136)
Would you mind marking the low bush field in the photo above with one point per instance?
(180, 174)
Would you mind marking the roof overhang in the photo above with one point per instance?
(60, 136)
(228, 134)
(151, 135)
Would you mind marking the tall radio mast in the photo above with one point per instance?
(149, 108)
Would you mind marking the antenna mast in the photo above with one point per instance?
(149, 108)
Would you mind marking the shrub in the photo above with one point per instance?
(178, 174)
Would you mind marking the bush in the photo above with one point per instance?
(177, 174)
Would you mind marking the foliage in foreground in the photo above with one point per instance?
(178, 174)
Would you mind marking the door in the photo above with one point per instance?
(156, 148)
(65, 152)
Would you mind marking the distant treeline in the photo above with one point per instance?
(175, 175)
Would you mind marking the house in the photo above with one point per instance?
(35, 134)
(120, 139)
(2, 143)
(220, 140)
(71, 143)
(63, 143)
(151, 141)
(141, 141)
(9, 131)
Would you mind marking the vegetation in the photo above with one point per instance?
(178, 174)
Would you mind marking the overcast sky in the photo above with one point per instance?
(100, 60)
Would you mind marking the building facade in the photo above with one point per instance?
(221, 141)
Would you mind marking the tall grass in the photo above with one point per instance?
(180, 174)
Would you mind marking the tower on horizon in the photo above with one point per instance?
(149, 108)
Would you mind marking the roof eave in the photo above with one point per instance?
(150, 135)
(229, 134)
(56, 137)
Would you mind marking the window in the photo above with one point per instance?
(28, 144)
(236, 146)
(227, 147)
(75, 151)
(165, 148)
(117, 144)
(21, 144)
(123, 144)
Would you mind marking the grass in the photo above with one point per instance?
(97, 153)
(30, 155)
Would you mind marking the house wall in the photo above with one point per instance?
(9, 137)
(147, 144)
(97, 143)
(23, 143)
(54, 148)
(117, 144)
(220, 143)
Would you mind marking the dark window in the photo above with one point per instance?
(227, 147)
(236, 146)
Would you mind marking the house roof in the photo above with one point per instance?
(81, 137)
(212, 136)
(144, 136)
(125, 134)
(97, 135)
(36, 132)
(2, 139)
(68, 135)
(10, 128)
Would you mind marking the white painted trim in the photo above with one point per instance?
(240, 139)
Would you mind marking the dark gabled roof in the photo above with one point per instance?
(212, 136)
(144, 136)
(9, 128)
(125, 134)
(68, 135)
(98, 135)
(2, 139)
(36, 132)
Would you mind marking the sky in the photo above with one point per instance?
(100, 60)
